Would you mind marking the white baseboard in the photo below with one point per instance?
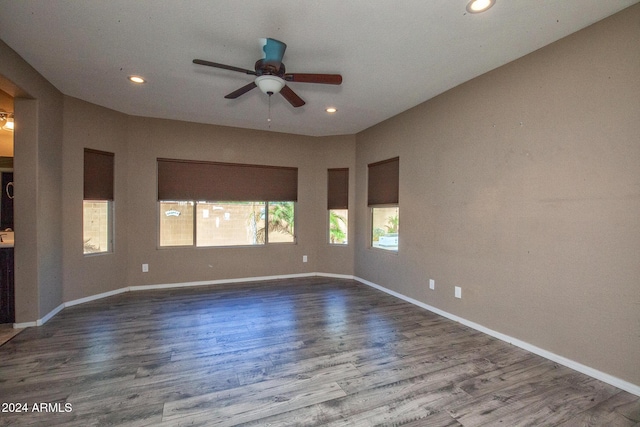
(23, 325)
(335, 276)
(219, 282)
(594, 373)
(41, 321)
(52, 313)
(95, 297)
(56, 310)
(71, 303)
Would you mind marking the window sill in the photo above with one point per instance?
(266, 245)
(96, 254)
(380, 250)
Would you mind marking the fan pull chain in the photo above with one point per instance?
(269, 118)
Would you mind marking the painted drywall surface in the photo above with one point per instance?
(25, 217)
(523, 187)
(38, 167)
(137, 143)
(334, 152)
(49, 202)
(90, 126)
(150, 139)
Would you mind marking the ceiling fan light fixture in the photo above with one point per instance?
(271, 76)
(270, 84)
(331, 110)
(478, 6)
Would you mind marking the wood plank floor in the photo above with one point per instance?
(302, 352)
(7, 332)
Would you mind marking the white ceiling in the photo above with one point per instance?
(392, 55)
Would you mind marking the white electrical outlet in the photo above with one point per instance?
(145, 268)
(304, 258)
(432, 284)
(458, 292)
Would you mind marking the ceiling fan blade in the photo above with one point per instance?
(327, 79)
(241, 91)
(273, 52)
(223, 66)
(291, 96)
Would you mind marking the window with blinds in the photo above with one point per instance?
(383, 201)
(382, 184)
(225, 204)
(338, 205)
(98, 196)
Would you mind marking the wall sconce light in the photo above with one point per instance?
(7, 118)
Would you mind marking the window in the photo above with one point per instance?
(176, 223)
(229, 224)
(338, 205)
(96, 220)
(225, 204)
(384, 222)
(226, 223)
(281, 219)
(338, 226)
(382, 199)
(97, 209)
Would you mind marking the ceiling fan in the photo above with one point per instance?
(271, 76)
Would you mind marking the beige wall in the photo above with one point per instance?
(90, 126)
(149, 139)
(334, 152)
(137, 143)
(522, 187)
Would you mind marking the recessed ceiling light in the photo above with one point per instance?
(477, 6)
(137, 79)
(331, 110)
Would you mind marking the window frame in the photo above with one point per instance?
(110, 227)
(372, 229)
(383, 192)
(159, 224)
(337, 200)
(194, 243)
(99, 187)
(346, 223)
(295, 220)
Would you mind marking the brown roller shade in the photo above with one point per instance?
(98, 175)
(383, 182)
(338, 188)
(211, 181)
